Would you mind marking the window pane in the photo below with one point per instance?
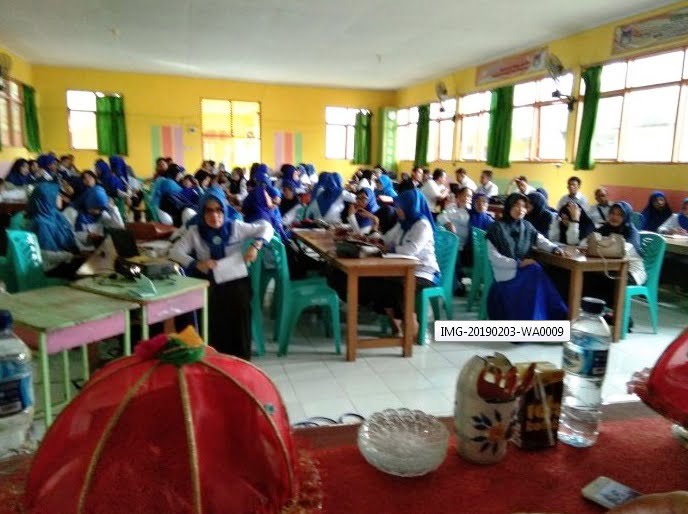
(17, 124)
(525, 94)
(411, 142)
(4, 123)
(521, 133)
(649, 126)
(82, 129)
(335, 142)
(685, 67)
(482, 135)
(553, 122)
(246, 119)
(605, 142)
(433, 141)
(14, 90)
(547, 86)
(613, 76)
(246, 151)
(350, 142)
(449, 108)
(219, 149)
(434, 110)
(655, 69)
(470, 128)
(336, 115)
(413, 115)
(81, 100)
(470, 104)
(683, 126)
(446, 140)
(402, 133)
(216, 116)
(402, 117)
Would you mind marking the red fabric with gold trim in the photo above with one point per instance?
(148, 436)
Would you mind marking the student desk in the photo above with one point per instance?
(174, 296)
(60, 318)
(323, 244)
(677, 244)
(577, 264)
(10, 207)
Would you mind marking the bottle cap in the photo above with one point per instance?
(593, 305)
(5, 320)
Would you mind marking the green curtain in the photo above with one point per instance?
(362, 138)
(387, 137)
(499, 135)
(110, 126)
(422, 135)
(33, 138)
(584, 160)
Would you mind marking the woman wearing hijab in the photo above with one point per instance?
(166, 195)
(572, 226)
(47, 165)
(237, 185)
(677, 224)
(258, 205)
(113, 184)
(361, 215)
(656, 212)
(290, 206)
(521, 290)
(203, 178)
(20, 174)
(119, 168)
(212, 249)
(479, 216)
(94, 213)
(385, 187)
(544, 193)
(55, 236)
(329, 199)
(538, 214)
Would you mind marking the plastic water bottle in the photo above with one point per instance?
(16, 389)
(585, 364)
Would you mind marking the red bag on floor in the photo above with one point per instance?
(177, 428)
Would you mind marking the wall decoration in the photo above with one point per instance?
(288, 148)
(513, 66)
(168, 141)
(651, 31)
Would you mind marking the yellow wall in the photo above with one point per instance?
(172, 100)
(22, 72)
(584, 49)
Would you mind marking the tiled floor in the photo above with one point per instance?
(316, 382)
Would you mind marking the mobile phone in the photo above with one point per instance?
(608, 493)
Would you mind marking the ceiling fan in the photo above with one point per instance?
(555, 69)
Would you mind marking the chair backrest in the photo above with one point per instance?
(446, 252)
(25, 261)
(637, 220)
(654, 247)
(151, 210)
(17, 221)
(279, 256)
(480, 246)
(122, 208)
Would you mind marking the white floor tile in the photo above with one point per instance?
(295, 412)
(309, 371)
(357, 385)
(429, 360)
(370, 404)
(332, 408)
(383, 364)
(315, 390)
(442, 377)
(411, 380)
(430, 401)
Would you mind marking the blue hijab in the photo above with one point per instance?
(262, 175)
(111, 182)
(682, 218)
(255, 208)
(93, 198)
(539, 216)
(330, 187)
(544, 193)
(45, 160)
(119, 167)
(371, 206)
(15, 176)
(387, 186)
(652, 218)
(215, 238)
(318, 186)
(481, 220)
(585, 225)
(288, 172)
(230, 212)
(413, 204)
(626, 229)
(52, 229)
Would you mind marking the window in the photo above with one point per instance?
(539, 123)
(11, 114)
(340, 123)
(407, 126)
(473, 123)
(441, 136)
(642, 110)
(231, 131)
(82, 120)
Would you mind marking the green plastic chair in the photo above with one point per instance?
(293, 296)
(122, 208)
(151, 210)
(17, 221)
(479, 240)
(446, 251)
(25, 264)
(637, 220)
(479, 254)
(254, 273)
(654, 247)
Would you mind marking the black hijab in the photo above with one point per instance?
(539, 216)
(585, 225)
(512, 238)
(286, 205)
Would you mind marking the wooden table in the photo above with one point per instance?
(11, 208)
(577, 264)
(678, 245)
(174, 296)
(60, 318)
(323, 244)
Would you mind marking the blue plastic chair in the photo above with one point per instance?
(446, 252)
(479, 254)
(654, 247)
(293, 296)
(25, 264)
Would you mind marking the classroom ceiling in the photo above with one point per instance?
(379, 44)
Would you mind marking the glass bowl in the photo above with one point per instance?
(403, 442)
